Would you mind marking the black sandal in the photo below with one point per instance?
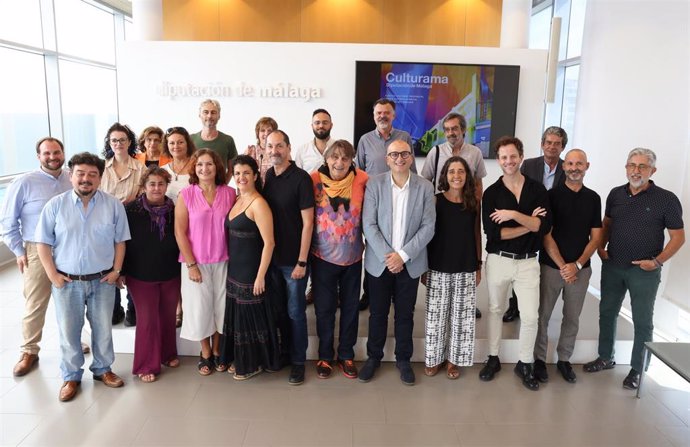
(205, 363)
(598, 365)
(219, 365)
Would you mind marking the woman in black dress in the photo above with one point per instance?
(250, 340)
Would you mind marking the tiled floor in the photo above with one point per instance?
(183, 408)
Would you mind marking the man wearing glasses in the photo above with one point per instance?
(635, 218)
(398, 220)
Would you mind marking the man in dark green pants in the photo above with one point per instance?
(635, 218)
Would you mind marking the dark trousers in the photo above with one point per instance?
(118, 301)
(325, 278)
(642, 286)
(401, 289)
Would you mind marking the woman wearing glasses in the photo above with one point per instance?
(200, 214)
(149, 145)
(454, 272)
(121, 179)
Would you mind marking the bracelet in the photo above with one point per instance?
(193, 264)
(657, 263)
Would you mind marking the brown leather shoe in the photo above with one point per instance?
(110, 379)
(25, 364)
(69, 390)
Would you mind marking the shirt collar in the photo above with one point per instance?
(405, 186)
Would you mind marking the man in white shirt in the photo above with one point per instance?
(398, 220)
(309, 156)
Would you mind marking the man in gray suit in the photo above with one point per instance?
(547, 170)
(398, 220)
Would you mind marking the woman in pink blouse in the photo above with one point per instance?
(200, 232)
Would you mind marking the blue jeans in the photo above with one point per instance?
(297, 312)
(325, 280)
(70, 302)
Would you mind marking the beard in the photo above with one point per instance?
(322, 134)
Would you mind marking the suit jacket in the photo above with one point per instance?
(534, 169)
(377, 216)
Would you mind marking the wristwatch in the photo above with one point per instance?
(302, 263)
(578, 265)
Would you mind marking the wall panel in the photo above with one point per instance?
(483, 26)
(345, 21)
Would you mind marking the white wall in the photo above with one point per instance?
(635, 91)
(142, 66)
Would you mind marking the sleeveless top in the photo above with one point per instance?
(244, 245)
(206, 230)
(453, 248)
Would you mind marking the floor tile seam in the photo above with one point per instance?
(42, 420)
(663, 435)
(670, 410)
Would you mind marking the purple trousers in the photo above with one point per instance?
(155, 304)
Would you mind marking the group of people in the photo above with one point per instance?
(224, 245)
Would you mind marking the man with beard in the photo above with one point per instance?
(516, 218)
(309, 156)
(632, 251)
(574, 237)
(25, 198)
(210, 137)
(289, 192)
(547, 170)
(371, 154)
(81, 238)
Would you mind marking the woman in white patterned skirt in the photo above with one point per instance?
(454, 272)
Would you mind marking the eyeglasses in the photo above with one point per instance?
(633, 167)
(114, 141)
(173, 130)
(404, 155)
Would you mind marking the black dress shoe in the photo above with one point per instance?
(524, 371)
(540, 372)
(477, 313)
(368, 370)
(512, 313)
(493, 365)
(632, 381)
(364, 302)
(406, 372)
(566, 370)
(118, 315)
(296, 375)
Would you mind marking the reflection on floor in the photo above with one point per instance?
(183, 408)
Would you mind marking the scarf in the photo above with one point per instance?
(338, 191)
(157, 213)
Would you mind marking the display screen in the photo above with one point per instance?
(426, 93)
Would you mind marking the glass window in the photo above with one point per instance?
(572, 74)
(85, 31)
(129, 29)
(23, 110)
(21, 22)
(540, 29)
(89, 105)
(576, 28)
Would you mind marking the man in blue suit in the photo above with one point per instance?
(398, 221)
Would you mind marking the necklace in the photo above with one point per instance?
(172, 166)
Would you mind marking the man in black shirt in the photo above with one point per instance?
(574, 237)
(635, 218)
(516, 218)
(289, 192)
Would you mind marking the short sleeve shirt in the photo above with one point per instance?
(638, 222)
(287, 195)
(223, 145)
(573, 215)
(472, 155)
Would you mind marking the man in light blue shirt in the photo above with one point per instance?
(24, 200)
(81, 238)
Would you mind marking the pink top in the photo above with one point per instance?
(206, 230)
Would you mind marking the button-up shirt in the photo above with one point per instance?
(371, 151)
(400, 199)
(308, 156)
(124, 188)
(83, 240)
(549, 176)
(25, 198)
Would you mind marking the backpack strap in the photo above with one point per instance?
(435, 167)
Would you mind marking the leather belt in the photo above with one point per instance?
(507, 254)
(89, 277)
